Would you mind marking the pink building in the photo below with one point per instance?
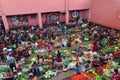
(18, 13)
(106, 12)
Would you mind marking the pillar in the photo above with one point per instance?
(67, 17)
(6, 25)
(40, 20)
(67, 12)
(89, 15)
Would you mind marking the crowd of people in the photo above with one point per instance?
(17, 44)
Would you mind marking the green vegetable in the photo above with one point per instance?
(34, 59)
(48, 74)
(58, 33)
(104, 41)
(105, 77)
(98, 77)
(108, 50)
(4, 68)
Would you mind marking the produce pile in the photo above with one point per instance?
(110, 49)
(70, 58)
(48, 74)
(67, 41)
(4, 68)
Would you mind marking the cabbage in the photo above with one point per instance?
(34, 59)
(48, 74)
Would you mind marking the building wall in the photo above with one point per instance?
(106, 12)
(14, 7)
(33, 21)
(20, 7)
(79, 4)
(84, 14)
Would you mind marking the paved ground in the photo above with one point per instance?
(63, 75)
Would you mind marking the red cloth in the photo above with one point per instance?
(115, 77)
(9, 74)
(99, 70)
(95, 61)
(40, 44)
(13, 54)
(111, 43)
(79, 77)
(92, 47)
(19, 67)
(58, 59)
(116, 54)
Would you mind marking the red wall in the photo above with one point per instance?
(106, 12)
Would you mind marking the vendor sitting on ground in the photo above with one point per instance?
(9, 75)
(35, 70)
(58, 60)
(95, 62)
(103, 60)
(77, 69)
(86, 66)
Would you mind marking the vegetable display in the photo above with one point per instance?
(4, 68)
(48, 74)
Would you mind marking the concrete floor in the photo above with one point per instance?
(62, 75)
